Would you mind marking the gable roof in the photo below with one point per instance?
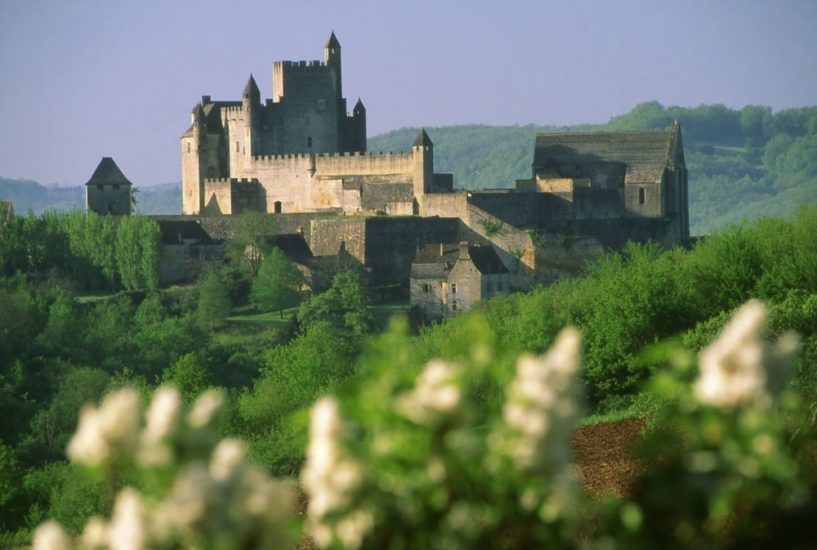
(293, 245)
(422, 139)
(645, 154)
(108, 173)
(175, 231)
(434, 261)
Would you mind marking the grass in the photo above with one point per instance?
(271, 318)
(92, 296)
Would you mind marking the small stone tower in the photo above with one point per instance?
(108, 191)
(423, 152)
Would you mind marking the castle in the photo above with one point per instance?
(299, 151)
(302, 157)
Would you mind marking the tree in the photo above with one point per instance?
(344, 306)
(249, 247)
(214, 300)
(138, 252)
(278, 283)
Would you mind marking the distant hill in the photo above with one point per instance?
(28, 195)
(743, 164)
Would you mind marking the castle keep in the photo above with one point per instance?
(298, 152)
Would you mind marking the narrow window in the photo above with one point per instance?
(277, 207)
(188, 146)
(642, 195)
(309, 141)
(453, 288)
(454, 305)
(425, 288)
(236, 147)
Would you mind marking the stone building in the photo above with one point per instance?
(299, 151)
(447, 279)
(186, 248)
(108, 191)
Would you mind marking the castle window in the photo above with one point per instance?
(309, 141)
(188, 146)
(425, 287)
(453, 288)
(455, 305)
(642, 195)
(277, 207)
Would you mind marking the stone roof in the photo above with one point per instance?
(359, 108)
(293, 245)
(422, 139)
(108, 173)
(333, 41)
(176, 231)
(251, 88)
(434, 261)
(645, 154)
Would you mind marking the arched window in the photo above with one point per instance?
(277, 207)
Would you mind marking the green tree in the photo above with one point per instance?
(277, 285)
(249, 246)
(214, 300)
(344, 305)
(188, 375)
(138, 252)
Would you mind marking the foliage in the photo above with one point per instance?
(250, 244)
(277, 284)
(138, 252)
(214, 303)
(343, 305)
(491, 227)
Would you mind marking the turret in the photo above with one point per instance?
(251, 103)
(359, 117)
(193, 143)
(423, 150)
(331, 56)
(251, 93)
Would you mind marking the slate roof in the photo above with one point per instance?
(333, 41)
(645, 154)
(251, 88)
(422, 139)
(108, 173)
(430, 263)
(293, 245)
(174, 230)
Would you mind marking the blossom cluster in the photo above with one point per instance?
(215, 498)
(542, 406)
(332, 479)
(741, 367)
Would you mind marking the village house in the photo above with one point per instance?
(447, 279)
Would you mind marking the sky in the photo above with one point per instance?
(83, 79)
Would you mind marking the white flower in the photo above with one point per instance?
(541, 406)
(735, 369)
(227, 457)
(205, 409)
(50, 536)
(108, 431)
(95, 534)
(128, 529)
(331, 478)
(162, 421)
(436, 396)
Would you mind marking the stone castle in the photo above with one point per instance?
(302, 158)
(299, 151)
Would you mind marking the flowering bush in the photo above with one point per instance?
(195, 490)
(462, 457)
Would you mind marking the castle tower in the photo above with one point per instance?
(423, 172)
(251, 104)
(358, 130)
(108, 191)
(193, 142)
(331, 57)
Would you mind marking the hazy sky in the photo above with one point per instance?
(83, 79)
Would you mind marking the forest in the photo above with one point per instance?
(83, 318)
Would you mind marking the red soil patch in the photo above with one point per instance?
(604, 459)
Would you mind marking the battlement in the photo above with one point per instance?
(299, 64)
(347, 154)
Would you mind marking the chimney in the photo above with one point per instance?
(464, 251)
